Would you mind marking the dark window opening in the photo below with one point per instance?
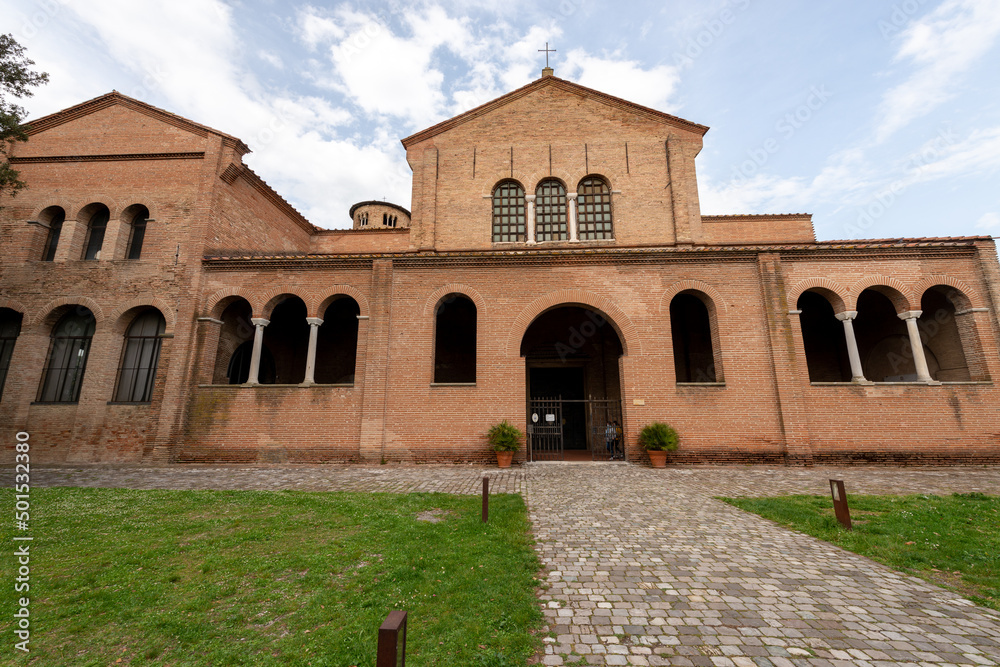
(550, 212)
(594, 210)
(946, 335)
(884, 342)
(239, 365)
(137, 234)
(691, 330)
(337, 343)
(140, 357)
(235, 330)
(455, 340)
(67, 362)
(55, 230)
(824, 340)
(95, 232)
(508, 213)
(10, 329)
(287, 337)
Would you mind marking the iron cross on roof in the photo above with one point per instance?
(547, 51)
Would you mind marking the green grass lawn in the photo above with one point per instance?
(252, 578)
(953, 541)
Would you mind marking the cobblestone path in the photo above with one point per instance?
(644, 567)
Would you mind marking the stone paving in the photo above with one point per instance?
(645, 567)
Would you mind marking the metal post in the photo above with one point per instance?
(840, 503)
(486, 499)
(392, 641)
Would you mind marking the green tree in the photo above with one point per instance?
(16, 80)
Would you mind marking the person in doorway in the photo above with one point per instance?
(616, 449)
(609, 439)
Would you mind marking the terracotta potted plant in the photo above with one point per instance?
(505, 439)
(657, 439)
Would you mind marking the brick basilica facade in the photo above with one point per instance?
(160, 302)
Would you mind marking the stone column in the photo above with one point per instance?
(916, 345)
(314, 324)
(857, 373)
(571, 198)
(531, 217)
(258, 342)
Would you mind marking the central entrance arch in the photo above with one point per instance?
(573, 385)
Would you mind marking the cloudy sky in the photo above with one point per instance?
(881, 118)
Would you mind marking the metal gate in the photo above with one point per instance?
(545, 431)
(605, 435)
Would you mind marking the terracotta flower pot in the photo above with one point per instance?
(658, 458)
(504, 458)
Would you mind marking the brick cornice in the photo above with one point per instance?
(196, 155)
(638, 255)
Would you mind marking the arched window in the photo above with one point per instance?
(55, 230)
(68, 354)
(455, 340)
(140, 357)
(10, 329)
(691, 332)
(594, 204)
(238, 371)
(137, 233)
(508, 212)
(824, 340)
(550, 211)
(337, 343)
(95, 231)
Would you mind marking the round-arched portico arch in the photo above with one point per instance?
(617, 318)
(573, 382)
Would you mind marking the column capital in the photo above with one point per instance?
(259, 321)
(910, 314)
(846, 315)
(571, 195)
(529, 198)
(314, 321)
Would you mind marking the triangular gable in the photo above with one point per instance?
(115, 98)
(568, 86)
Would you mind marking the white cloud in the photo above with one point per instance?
(314, 29)
(941, 46)
(272, 59)
(652, 87)
(989, 221)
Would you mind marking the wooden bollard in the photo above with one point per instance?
(486, 499)
(840, 503)
(392, 641)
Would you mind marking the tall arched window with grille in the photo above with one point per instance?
(594, 204)
(550, 211)
(68, 352)
(10, 329)
(55, 222)
(508, 212)
(95, 231)
(137, 233)
(140, 357)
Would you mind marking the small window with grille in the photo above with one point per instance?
(594, 206)
(508, 212)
